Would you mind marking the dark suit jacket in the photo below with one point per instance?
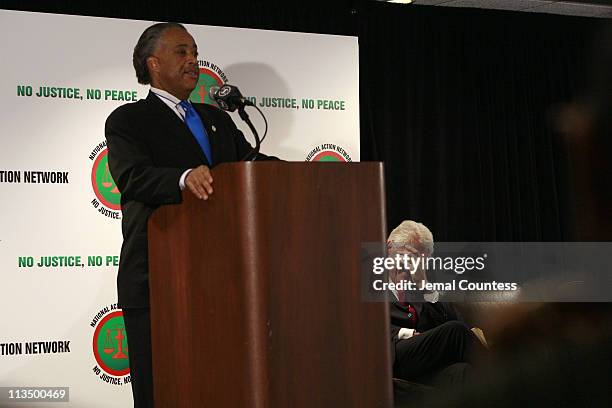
(149, 148)
(429, 315)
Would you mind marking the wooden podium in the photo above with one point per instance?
(255, 293)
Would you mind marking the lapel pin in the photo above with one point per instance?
(214, 129)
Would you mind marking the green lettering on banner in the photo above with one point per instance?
(24, 90)
(327, 104)
(286, 103)
(112, 260)
(308, 104)
(59, 260)
(120, 95)
(26, 261)
(94, 261)
(58, 92)
(94, 94)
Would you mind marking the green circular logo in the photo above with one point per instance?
(103, 184)
(328, 152)
(110, 345)
(328, 156)
(207, 79)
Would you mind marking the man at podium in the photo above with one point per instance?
(158, 147)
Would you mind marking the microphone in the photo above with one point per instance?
(228, 97)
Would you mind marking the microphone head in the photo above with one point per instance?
(228, 90)
(228, 97)
(212, 92)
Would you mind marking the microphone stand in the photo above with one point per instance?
(255, 151)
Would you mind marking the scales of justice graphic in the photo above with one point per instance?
(109, 345)
(107, 180)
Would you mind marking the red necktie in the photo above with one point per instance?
(411, 314)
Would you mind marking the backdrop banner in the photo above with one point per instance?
(60, 211)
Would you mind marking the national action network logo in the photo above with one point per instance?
(210, 75)
(107, 199)
(110, 346)
(328, 152)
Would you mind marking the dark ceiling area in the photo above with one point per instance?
(583, 8)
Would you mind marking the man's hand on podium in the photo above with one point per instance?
(199, 181)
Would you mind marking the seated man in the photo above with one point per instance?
(430, 345)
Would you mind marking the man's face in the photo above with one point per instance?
(412, 251)
(174, 64)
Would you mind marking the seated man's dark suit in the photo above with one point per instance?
(440, 353)
(149, 148)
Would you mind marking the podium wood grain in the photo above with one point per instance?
(255, 293)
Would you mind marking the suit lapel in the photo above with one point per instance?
(418, 307)
(161, 113)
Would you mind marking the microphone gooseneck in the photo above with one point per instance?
(229, 98)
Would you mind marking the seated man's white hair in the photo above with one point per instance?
(412, 233)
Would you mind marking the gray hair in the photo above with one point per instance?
(147, 43)
(413, 234)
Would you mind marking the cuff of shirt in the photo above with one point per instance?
(405, 333)
(182, 179)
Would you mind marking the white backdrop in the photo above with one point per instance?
(65, 304)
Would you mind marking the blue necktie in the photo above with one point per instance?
(194, 123)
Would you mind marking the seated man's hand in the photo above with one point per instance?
(199, 181)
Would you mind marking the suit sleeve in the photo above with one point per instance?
(132, 167)
(394, 326)
(394, 332)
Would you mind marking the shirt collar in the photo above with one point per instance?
(166, 95)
